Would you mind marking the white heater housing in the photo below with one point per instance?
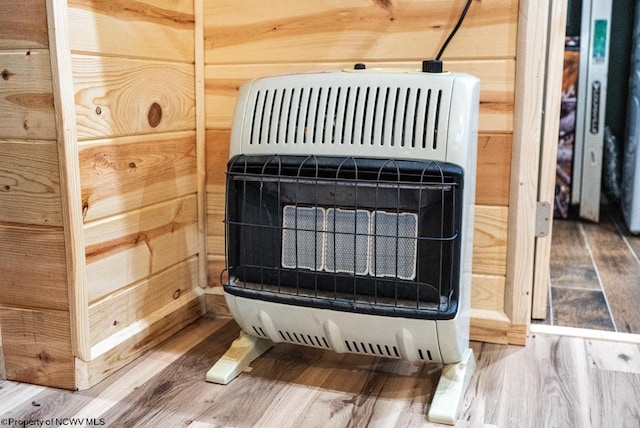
(392, 116)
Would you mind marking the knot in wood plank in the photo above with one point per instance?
(155, 115)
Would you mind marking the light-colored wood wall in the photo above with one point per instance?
(133, 73)
(280, 37)
(34, 301)
(101, 222)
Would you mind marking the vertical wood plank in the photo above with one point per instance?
(201, 153)
(549, 152)
(530, 79)
(69, 175)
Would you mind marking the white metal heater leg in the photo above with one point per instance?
(242, 352)
(452, 386)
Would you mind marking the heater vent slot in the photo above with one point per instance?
(317, 113)
(348, 115)
(259, 331)
(304, 339)
(426, 353)
(359, 347)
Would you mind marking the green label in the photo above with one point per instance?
(599, 40)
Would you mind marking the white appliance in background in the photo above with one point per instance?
(350, 215)
(592, 97)
(631, 166)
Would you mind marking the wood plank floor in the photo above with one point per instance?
(595, 274)
(554, 381)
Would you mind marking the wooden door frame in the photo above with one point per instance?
(538, 73)
(548, 151)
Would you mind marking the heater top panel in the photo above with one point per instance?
(410, 115)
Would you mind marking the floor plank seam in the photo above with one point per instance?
(627, 243)
(598, 275)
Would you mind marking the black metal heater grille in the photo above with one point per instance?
(352, 234)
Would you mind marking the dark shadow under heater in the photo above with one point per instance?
(349, 219)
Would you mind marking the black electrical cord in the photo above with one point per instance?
(435, 65)
(455, 29)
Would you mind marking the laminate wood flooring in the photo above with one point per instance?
(554, 381)
(595, 274)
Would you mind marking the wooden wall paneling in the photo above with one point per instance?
(214, 297)
(37, 346)
(549, 152)
(216, 227)
(201, 143)
(159, 29)
(66, 136)
(30, 183)
(354, 30)
(32, 256)
(497, 91)
(497, 81)
(489, 326)
(24, 24)
(112, 354)
(118, 232)
(117, 311)
(122, 96)
(26, 99)
(217, 141)
(530, 80)
(140, 57)
(127, 173)
(126, 248)
(490, 240)
(487, 292)
(493, 169)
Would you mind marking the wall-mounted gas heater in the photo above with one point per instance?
(349, 219)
